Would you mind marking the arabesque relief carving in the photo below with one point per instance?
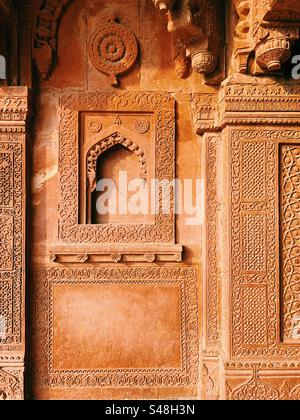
(13, 114)
(118, 308)
(289, 208)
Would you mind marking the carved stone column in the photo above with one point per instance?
(13, 114)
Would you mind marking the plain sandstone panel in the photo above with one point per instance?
(117, 326)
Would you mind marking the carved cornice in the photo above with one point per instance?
(13, 107)
(247, 100)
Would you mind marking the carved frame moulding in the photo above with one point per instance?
(259, 286)
(116, 254)
(211, 280)
(158, 139)
(13, 114)
(50, 281)
(211, 285)
(263, 382)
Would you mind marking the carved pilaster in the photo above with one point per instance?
(13, 114)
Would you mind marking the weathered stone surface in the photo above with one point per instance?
(151, 305)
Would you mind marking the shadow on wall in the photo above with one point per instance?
(2, 68)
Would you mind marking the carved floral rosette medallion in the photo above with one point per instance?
(113, 50)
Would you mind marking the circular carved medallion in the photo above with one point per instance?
(95, 126)
(141, 126)
(113, 50)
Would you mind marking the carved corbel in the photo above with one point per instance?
(45, 35)
(274, 46)
(268, 30)
(242, 42)
(197, 26)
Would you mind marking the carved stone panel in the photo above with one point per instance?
(13, 112)
(260, 240)
(289, 239)
(124, 327)
(262, 382)
(141, 122)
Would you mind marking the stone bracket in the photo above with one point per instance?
(268, 30)
(199, 26)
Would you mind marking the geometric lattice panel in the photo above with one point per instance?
(290, 240)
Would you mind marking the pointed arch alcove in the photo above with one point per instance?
(110, 158)
(110, 126)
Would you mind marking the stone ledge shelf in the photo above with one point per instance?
(117, 254)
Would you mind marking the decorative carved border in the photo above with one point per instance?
(163, 108)
(258, 101)
(256, 383)
(254, 282)
(289, 168)
(212, 282)
(13, 114)
(11, 384)
(45, 279)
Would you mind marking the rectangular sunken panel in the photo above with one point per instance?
(130, 327)
(116, 326)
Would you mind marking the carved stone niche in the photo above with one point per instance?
(199, 26)
(114, 135)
